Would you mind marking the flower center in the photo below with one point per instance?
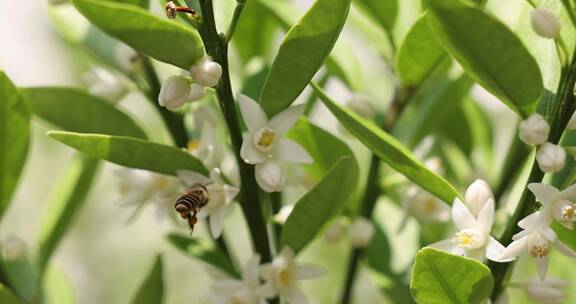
(193, 145)
(568, 213)
(285, 277)
(237, 300)
(430, 205)
(538, 246)
(160, 184)
(470, 238)
(264, 139)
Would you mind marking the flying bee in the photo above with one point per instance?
(189, 203)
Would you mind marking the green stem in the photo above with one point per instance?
(313, 98)
(217, 48)
(563, 109)
(237, 12)
(276, 202)
(174, 121)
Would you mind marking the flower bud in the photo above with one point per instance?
(477, 195)
(196, 92)
(545, 23)
(334, 232)
(551, 158)
(551, 290)
(206, 73)
(127, 58)
(360, 232)
(362, 106)
(104, 84)
(270, 176)
(174, 93)
(534, 130)
(572, 123)
(13, 248)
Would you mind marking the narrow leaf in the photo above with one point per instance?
(203, 251)
(487, 50)
(14, 139)
(151, 291)
(383, 12)
(141, 3)
(158, 38)
(302, 53)
(389, 150)
(7, 297)
(321, 204)
(439, 278)
(67, 199)
(75, 110)
(419, 54)
(131, 152)
(22, 276)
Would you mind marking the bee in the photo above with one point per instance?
(189, 203)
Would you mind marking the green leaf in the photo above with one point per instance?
(205, 251)
(57, 287)
(75, 110)
(158, 38)
(151, 291)
(325, 148)
(487, 50)
(14, 139)
(7, 297)
(440, 278)
(389, 150)
(141, 3)
(419, 54)
(383, 12)
(131, 152)
(22, 277)
(378, 253)
(255, 32)
(302, 53)
(67, 199)
(321, 204)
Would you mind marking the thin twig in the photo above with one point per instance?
(237, 12)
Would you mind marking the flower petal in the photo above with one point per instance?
(284, 120)
(295, 296)
(545, 194)
(190, 177)
(515, 249)
(249, 153)
(290, 151)
(304, 272)
(569, 193)
(536, 220)
(230, 193)
(448, 245)
(217, 221)
(542, 265)
(270, 176)
(494, 251)
(486, 216)
(564, 249)
(254, 116)
(216, 176)
(461, 216)
(477, 254)
(250, 272)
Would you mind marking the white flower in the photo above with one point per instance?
(536, 239)
(334, 232)
(477, 195)
(555, 204)
(549, 291)
(534, 130)
(103, 83)
(550, 157)
(206, 72)
(362, 105)
(572, 122)
(140, 187)
(127, 58)
(13, 248)
(545, 23)
(197, 92)
(221, 195)
(423, 206)
(283, 273)
(264, 145)
(245, 291)
(360, 232)
(473, 238)
(174, 92)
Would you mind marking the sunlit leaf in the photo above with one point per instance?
(440, 278)
(131, 152)
(151, 291)
(383, 12)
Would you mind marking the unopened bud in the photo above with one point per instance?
(534, 130)
(270, 176)
(127, 58)
(362, 106)
(361, 232)
(334, 232)
(206, 73)
(551, 158)
(196, 92)
(13, 248)
(174, 93)
(103, 83)
(545, 23)
(551, 290)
